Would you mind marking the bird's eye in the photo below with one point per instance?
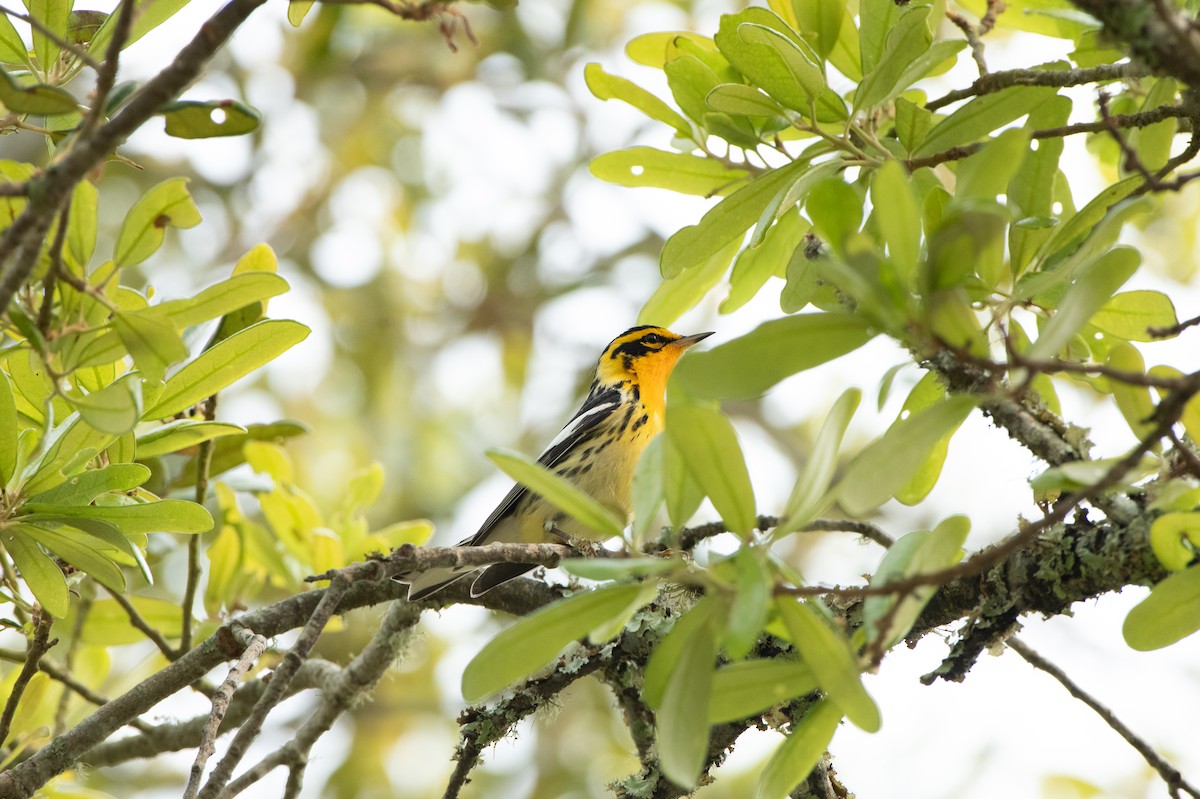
(653, 338)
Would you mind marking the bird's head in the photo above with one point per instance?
(644, 357)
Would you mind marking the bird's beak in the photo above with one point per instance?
(688, 341)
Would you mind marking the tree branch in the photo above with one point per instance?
(37, 646)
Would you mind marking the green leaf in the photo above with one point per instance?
(898, 217)
(560, 492)
(114, 409)
(685, 174)
(226, 363)
(1096, 223)
(725, 222)
(1175, 537)
(12, 47)
(655, 49)
(648, 493)
(751, 602)
(661, 668)
(1131, 314)
(84, 487)
(927, 392)
(811, 494)
(181, 434)
(1153, 142)
(749, 365)
(748, 688)
(191, 119)
(225, 297)
(611, 87)
(755, 265)
(876, 19)
(229, 451)
(150, 14)
(535, 640)
(906, 42)
(827, 653)
(982, 115)
(40, 573)
(163, 516)
(168, 203)
(795, 759)
(36, 99)
(922, 552)
(821, 21)
(297, 10)
(619, 568)
(79, 550)
(682, 730)
(81, 227)
(681, 492)
(1133, 401)
(1030, 192)
(1170, 613)
(988, 172)
(836, 210)
(68, 449)
(779, 66)
(1084, 298)
(743, 100)
(677, 295)
(888, 464)
(912, 123)
(152, 340)
(53, 14)
(8, 431)
(709, 444)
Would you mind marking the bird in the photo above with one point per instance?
(597, 450)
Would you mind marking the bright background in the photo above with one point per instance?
(461, 270)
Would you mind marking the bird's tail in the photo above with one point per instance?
(429, 582)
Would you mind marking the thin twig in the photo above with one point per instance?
(280, 679)
(37, 646)
(339, 694)
(998, 81)
(255, 644)
(973, 40)
(1170, 774)
(143, 626)
(55, 269)
(204, 455)
(106, 73)
(82, 609)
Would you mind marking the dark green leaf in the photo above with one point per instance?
(79, 550)
(190, 119)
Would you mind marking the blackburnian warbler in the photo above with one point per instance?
(598, 451)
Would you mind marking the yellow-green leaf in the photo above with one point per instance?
(747, 688)
(181, 434)
(168, 203)
(710, 446)
(191, 119)
(678, 172)
(163, 516)
(534, 641)
(827, 653)
(1131, 314)
(40, 573)
(803, 747)
(1175, 539)
(811, 494)
(226, 363)
(1169, 614)
(682, 729)
(560, 492)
